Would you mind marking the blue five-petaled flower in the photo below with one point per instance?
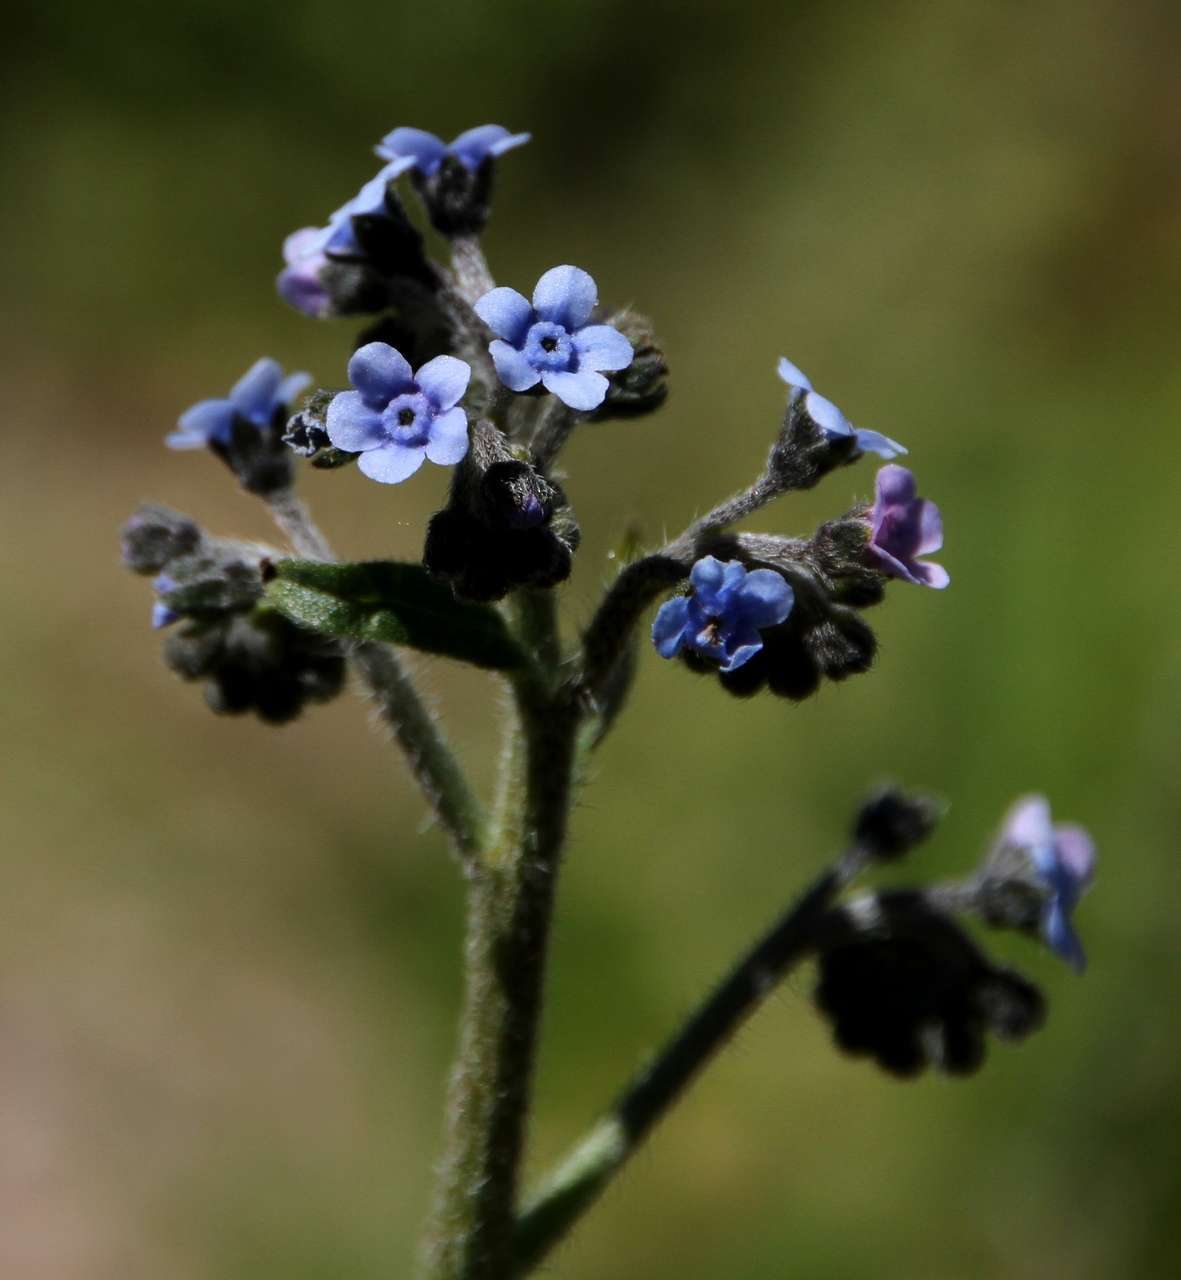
(831, 422)
(550, 342)
(395, 418)
(255, 398)
(425, 152)
(722, 617)
(1063, 858)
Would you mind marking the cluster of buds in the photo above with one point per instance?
(209, 597)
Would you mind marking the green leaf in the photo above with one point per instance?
(399, 603)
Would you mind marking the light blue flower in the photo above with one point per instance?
(831, 422)
(550, 342)
(257, 397)
(425, 152)
(1063, 859)
(395, 418)
(722, 617)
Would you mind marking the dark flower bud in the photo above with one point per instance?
(902, 983)
(505, 525)
(457, 199)
(154, 535)
(891, 822)
(642, 387)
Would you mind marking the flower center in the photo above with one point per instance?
(548, 347)
(407, 419)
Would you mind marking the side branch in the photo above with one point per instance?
(401, 706)
(570, 1189)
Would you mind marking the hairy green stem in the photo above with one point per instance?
(576, 1182)
(510, 905)
(401, 706)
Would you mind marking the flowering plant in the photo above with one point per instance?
(471, 376)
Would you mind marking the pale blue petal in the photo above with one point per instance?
(1076, 854)
(423, 149)
(793, 375)
(668, 627)
(304, 243)
(602, 347)
(1027, 824)
(391, 464)
(831, 421)
(512, 368)
(253, 395)
(207, 420)
(565, 295)
(379, 373)
(583, 391)
(506, 313)
(1060, 935)
(874, 442)
(472, 147)
(448, 442)
(352, 425)
(443, 381)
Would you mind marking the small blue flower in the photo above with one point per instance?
(550, 342)
(426, 153)
(395, 418)
(722, 617)
(1063, 859)
(829, 419)
(255, 398)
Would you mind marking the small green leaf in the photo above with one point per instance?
(398, 603)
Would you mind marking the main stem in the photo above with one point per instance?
(510, 906)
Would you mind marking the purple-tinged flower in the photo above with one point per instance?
(550, 342)
(426, 152)
(1063, 860)
(831, 422)
(299, 282)
(903, 527)
(722, 617)
(256, 397)
(394, 419)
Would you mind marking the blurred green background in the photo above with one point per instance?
(229, 955)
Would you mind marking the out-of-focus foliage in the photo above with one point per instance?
(229, 961)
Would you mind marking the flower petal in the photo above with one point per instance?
(448, 442)
(1027, 824)
(602, 347)
(874, 442)
(740, 648)
(928, 574)
(379, 373)
(894, 485)
(300, 287)
(506, 313)
(707, 575)
(793, 375)
(443, 381)
(1061, 938)
(565, 295)
(206, 420)
(765, 598)
(583, 391)
(474, 145)
(424, 149)
(253, 395)
(392, 463)
(511, 366)
(827, 417)
(668, 627)
(291, 386)
(1076, 853)
(303, 243)
(930, 529)
(352, 425)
